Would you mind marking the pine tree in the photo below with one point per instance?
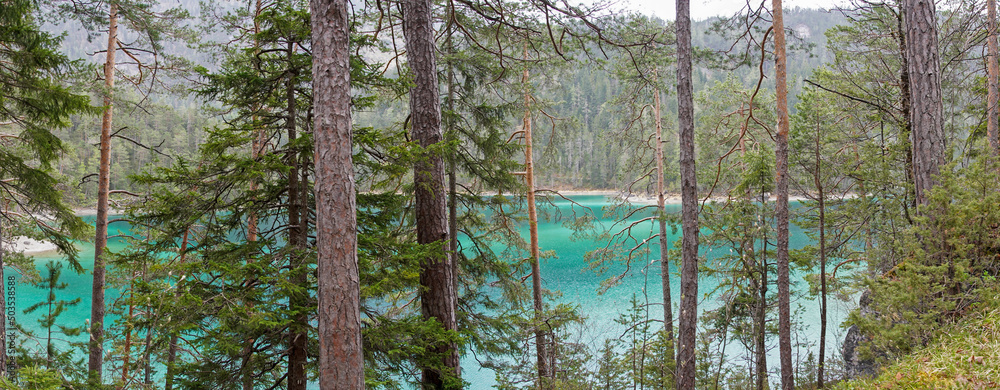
(32, 105)
(340, 360)
(53, 308)
(924, 71)
(781, 203)
(688, 319)
(439, 294)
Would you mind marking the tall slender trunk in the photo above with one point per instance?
(992, 70)
(925, 94)
(668, 314)
(437, 298)
(48, 335)
(172, 345)
(298, 302)
(128, 340)
(340, 358)
(781, 203)
(541, 335)
(822, 264)
(147, 374)
(760, 309)
(257, 145)
(256, 151)
(688, 319)
(904, 97)
(96, 356)
(452, 166)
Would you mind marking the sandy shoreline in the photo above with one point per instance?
(90, 211)
(30, 246)
(669, 198)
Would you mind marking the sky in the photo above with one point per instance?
(703, 9)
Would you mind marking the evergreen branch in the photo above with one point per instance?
(844, 95)
(124, 192)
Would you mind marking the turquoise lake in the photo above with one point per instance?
(565, 273)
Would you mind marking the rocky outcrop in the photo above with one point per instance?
(854, 365)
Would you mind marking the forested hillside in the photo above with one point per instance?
(583, 153)
(344, 195)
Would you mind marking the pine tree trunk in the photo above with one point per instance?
(128, 341)
(688, 319)
(821, 367)
(437, 298)
(904, 93)
(147, 373)
(925, 94)
(297, 331)
(172, 345)
(96, 357)
(340, 357)
(668, 314)
(452, 167)
(760, 309)
(256, 150)
(257, 145)
(992, 69)
(781, 203)
(541, 335)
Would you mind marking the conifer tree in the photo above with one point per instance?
(53, 308)
(992, 74)
(439, 295)
(781, 203)
(340, 360)
(688, 318)
(143, 56)
(924, 70)
(32, 105)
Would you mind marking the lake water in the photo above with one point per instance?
(565, 273)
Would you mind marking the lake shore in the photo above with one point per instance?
(30, 246)
(670, 198)
(91, 211)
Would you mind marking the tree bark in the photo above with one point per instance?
(541, 342)
(904, 93)
(668, 314)
(437, 298)
(760, 313)
(340, 357)
(96, 357)
(297, 335)
(172, 346)
(992, 69)
(926, 118)
(452, 167)
(781, 203)
(688, 319)
(821, 367)
(257, 145)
